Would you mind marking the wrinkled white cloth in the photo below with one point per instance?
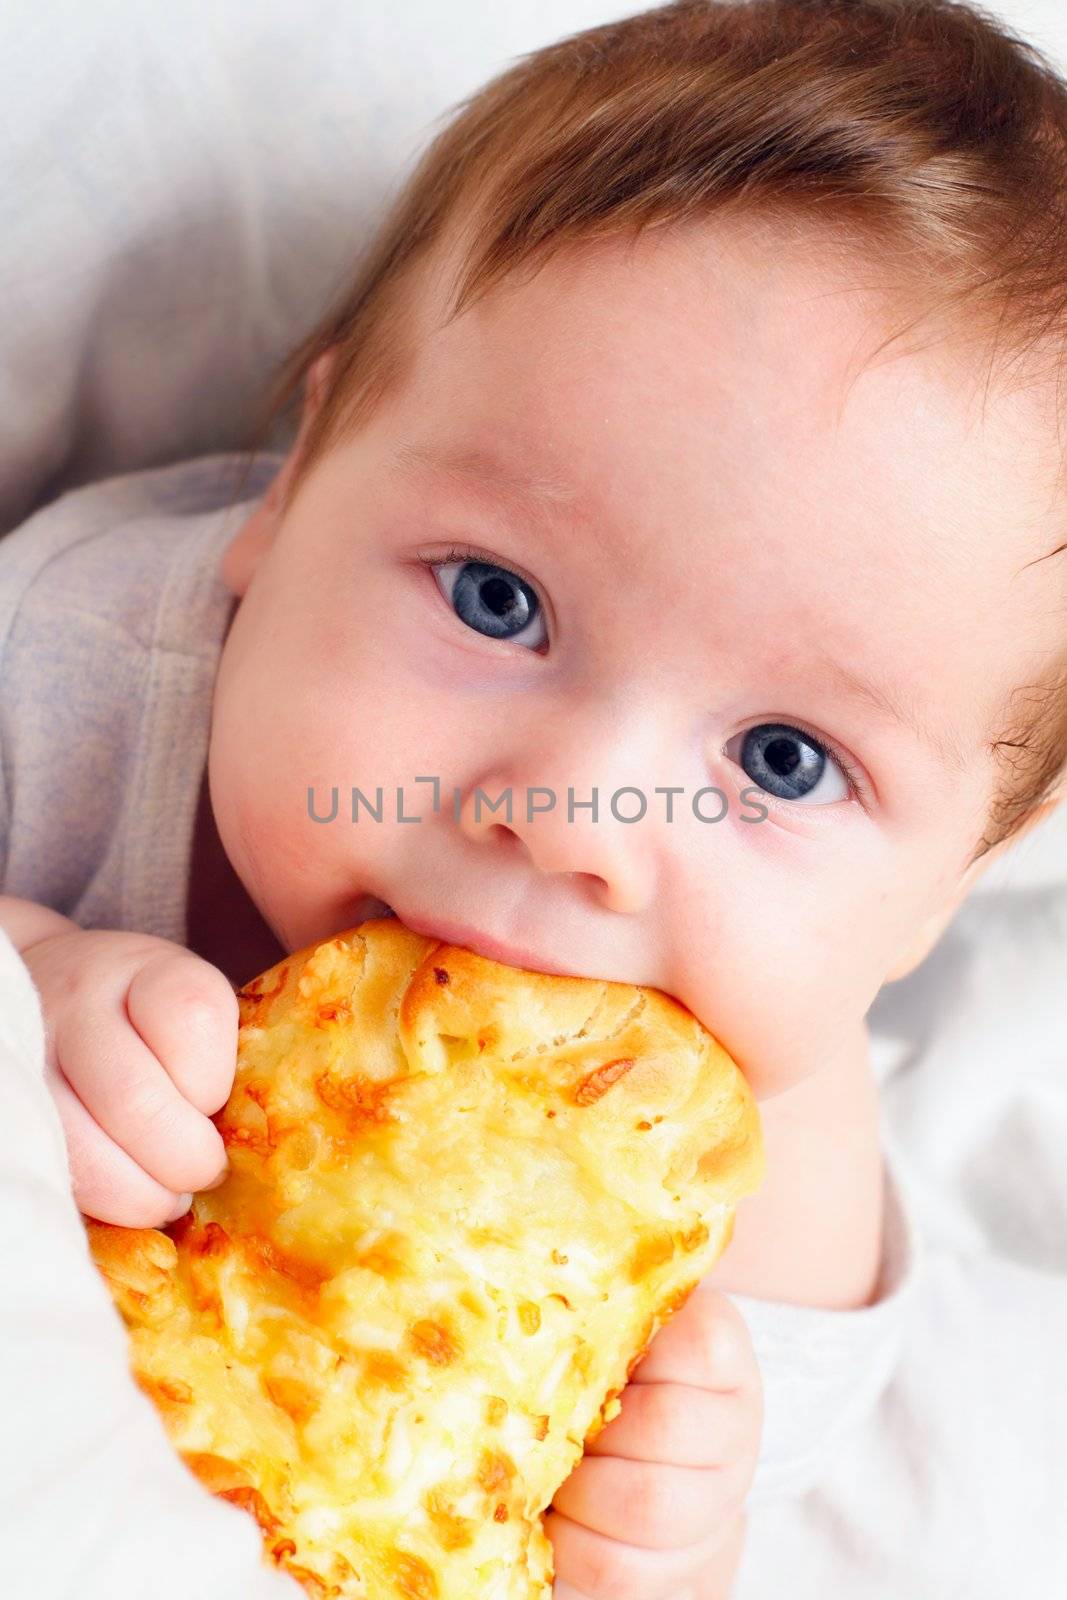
(185, 189)
(869, 1481)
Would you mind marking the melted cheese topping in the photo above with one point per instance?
(462, 1198)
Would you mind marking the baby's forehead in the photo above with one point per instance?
(727, 424)
(729, 310)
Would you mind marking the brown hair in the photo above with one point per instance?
(921, 132)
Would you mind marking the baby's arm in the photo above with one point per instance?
(141, 1047)
(812, 1235)
(806, 1264)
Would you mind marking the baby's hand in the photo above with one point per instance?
(653, 1510)
(141, 1042)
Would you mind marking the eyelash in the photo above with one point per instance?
(856, 783)
(468, 552)
(465, 552)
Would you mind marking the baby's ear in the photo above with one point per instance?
(317, 380)
(931, 930)
(245, 550)
(252, 540)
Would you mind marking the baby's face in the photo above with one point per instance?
(732, 576)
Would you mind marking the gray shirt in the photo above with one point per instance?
(112, 618)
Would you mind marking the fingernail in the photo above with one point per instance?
(223, 1175)
(181, 1206)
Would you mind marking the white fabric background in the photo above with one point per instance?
(183, 187)
(184, 184)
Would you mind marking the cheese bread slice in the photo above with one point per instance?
(462, 1198)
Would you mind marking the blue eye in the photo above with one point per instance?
(492, 600)
(791, 764)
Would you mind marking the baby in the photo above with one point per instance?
(605, 485)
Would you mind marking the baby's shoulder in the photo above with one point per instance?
(112, 617)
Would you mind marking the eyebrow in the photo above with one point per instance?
(540, 495)
(900, 709)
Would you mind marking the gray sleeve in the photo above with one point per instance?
(72, 689)
(80, 593)
(112, 616)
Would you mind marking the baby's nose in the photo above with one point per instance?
(575, 833)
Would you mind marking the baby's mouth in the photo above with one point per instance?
(371, 908)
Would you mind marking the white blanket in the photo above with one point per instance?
(92, 1497)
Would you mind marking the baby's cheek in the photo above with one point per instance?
(782, 969)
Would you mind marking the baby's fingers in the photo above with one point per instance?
(706, 1344)
(107, 1183)
(647, 1504)
(590, 1566)
(130, 1096)
(674, 1423)
(187, 1015)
